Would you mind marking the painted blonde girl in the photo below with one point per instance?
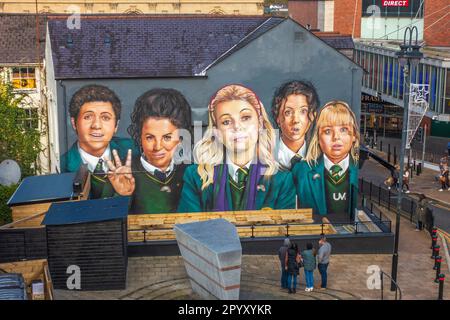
(236, 169)
(327, 180)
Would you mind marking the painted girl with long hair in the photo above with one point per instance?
(327, 179)
(235, 168)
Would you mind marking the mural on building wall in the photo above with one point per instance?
(308, 159)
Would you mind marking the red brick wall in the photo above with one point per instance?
(344, 15)
(438, 34)
(304, 12)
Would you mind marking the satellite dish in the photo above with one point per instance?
(9, 172)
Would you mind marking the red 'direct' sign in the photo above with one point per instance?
(395, 3)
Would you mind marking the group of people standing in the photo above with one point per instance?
(292, 260)
(238, 163)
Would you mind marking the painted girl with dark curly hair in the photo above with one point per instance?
(294, 107)
(154, 179)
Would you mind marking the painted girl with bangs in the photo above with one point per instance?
(235, 168)
(327, 179)
(154, 178)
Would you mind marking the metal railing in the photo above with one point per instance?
(387, 198)
(356, 228)
(398, 291)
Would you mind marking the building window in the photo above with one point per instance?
(385, 75)
(217, 10)
(23, 78)
(447, 92)
(375, 72)
(370, 70)
(433, 89)
(133, 10)
(31, 120)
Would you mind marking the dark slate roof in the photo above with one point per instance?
(18, 38)
(262, 28)
(58, 187)
(337, 41)
(148, 45)
(73, 212)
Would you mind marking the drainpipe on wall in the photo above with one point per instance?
(353, 91)
(44, 101)
(65, 114)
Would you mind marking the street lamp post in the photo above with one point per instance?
(408, 57)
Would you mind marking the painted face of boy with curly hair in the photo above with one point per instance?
(95, 125)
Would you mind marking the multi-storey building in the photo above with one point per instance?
(377, 30)
(241, 7)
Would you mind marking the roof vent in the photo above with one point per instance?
(107, 39)
(298, 36)
(69, 41)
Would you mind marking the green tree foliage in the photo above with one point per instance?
(5, 212)
(18, 141)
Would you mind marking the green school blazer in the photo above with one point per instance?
(278, 192)
(71, 160)
(310, 186)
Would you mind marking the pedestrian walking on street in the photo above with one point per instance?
(420, 212)
(444, 172)
(323, 259)
(390, 181)
(395, 174)
(405, 182)
(292, 266)
(309, 263)
(282, 256)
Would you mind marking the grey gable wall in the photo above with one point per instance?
(263, 65)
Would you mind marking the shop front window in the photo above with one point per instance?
(447, 93)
